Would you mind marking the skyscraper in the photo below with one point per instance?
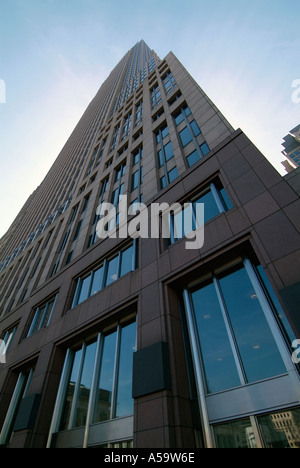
(140, 340)
(291, 146)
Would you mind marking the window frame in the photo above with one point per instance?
(222, 203)
(41, 319)
(105, 265)
(99, 340)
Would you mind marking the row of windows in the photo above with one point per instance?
(108, 272)
(215, 200)
(111, 361)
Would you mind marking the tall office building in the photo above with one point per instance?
(150, 341)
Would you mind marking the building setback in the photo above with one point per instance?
(142, 342)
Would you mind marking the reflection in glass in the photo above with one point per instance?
(70, 391)
(84, 289)
(112, 271)
(210, 207)
(126, 261)
(281, 430)
(218, 360)
(236, 434)
(277, 306)
(185, 136)
(85, 386)
(124, 405)
(104, 396)
(256, 344)
(97, 281)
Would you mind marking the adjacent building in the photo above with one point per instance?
(138, 340)
(291, 147)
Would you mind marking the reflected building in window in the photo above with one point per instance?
(133, 341)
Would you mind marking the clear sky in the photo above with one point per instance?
(55, 54)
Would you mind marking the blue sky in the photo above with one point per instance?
(54, 55)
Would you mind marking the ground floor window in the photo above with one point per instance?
(272, 430)
(242, 361)
(96, 387)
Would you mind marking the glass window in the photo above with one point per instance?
(112, 271)
(281, 430)
(124, 403)
(179, 117)
(105, 386)
(229, 315)
(163, 182)
(85, 386)
(20, 392)
(168, 151)
(173, 174)
(289, 333)
(218, 360)
(106, 274)
(195, 128)
(211, 209)
(137, 156)
(97, 281)
(160, 158)
(215, 200)
(256, 344)
(185, 136)
(204, 149)
(65, 418)
(193, 158)
(136, 179)
(84, 289)
(110, 382)
(120, 171)
(6, 341)
(126, 260)
(42, 317)
(236, 434)
(162, 133)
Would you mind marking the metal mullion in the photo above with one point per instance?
(12, 408)
(192, 133)
(257, 433)
(199, 372)
(119, 264)
(34, 322)
(54, 303)
(103, 281)
(60, 399)
(43, 316)
(94, 387)
(77, 388)
(115, 375)
(217, 198)
(230, 333)
(272, 322)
